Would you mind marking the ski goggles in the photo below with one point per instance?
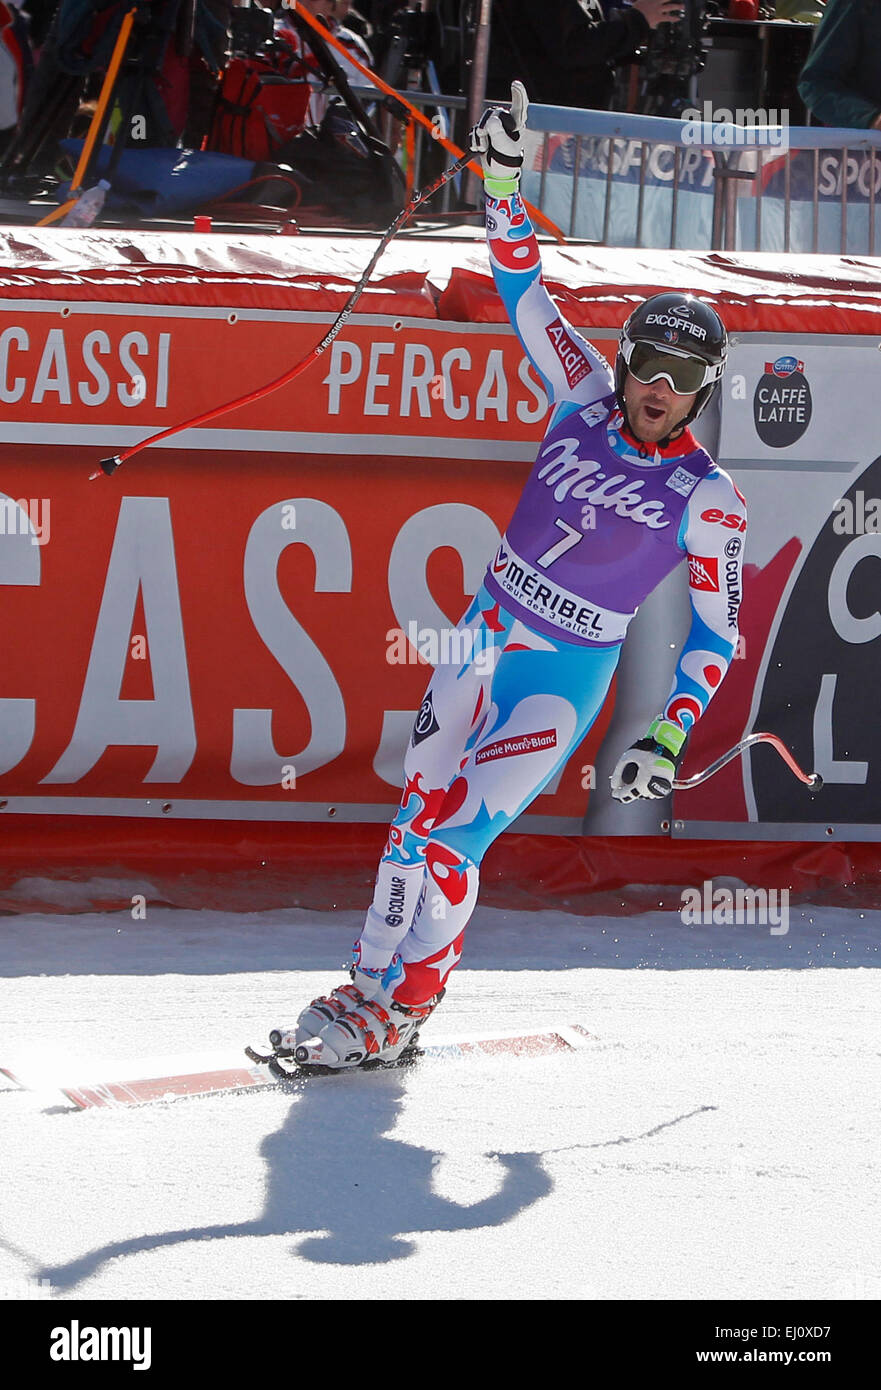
(686, 375)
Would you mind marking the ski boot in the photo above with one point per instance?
(378, 1032)
(362, 985)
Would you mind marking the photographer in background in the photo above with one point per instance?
(840, 83)
(333, 14)
(346, 14)
(566, 51)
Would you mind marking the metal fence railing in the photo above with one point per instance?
(630, 180)
(618, 179)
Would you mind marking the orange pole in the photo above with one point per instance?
(410, 147)
(106, 92)
(417, 115)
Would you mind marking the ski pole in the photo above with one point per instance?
(110, 465)
(810, 779)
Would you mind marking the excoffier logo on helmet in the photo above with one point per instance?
(678, 322)
(782, 403)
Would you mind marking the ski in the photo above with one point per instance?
(138, 1083)
(172, 1078)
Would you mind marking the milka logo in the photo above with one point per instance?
(566, 473)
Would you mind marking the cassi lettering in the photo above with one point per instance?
(94, 368)
(99, 719)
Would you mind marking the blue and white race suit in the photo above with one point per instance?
(601, 520)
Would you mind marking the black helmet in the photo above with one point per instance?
(687, 345)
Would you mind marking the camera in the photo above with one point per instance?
(674, 56)
(250, 29)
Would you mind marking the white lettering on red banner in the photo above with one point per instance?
(512, 747)
(572, 357)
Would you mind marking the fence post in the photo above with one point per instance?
(477, 89)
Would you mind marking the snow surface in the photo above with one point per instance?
(718, 1140)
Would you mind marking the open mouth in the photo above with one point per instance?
(654, 412)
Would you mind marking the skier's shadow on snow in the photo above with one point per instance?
(337, 1175)
(336, 1168)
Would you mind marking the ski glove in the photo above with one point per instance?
(648, 768)
(498, 140)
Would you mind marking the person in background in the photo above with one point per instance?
(566, 51)
(328, 13)
(333, 14)
(16, 64)
(352, 19)
(337, 22)
(840, 83)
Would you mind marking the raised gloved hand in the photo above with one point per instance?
(498, 140)
(649, 767)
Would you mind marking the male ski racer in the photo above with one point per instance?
(619, 495)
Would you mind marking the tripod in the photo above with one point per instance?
(409, 43)
(61, 79)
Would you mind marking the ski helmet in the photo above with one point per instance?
(676, 337)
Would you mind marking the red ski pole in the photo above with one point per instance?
(110, 465)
